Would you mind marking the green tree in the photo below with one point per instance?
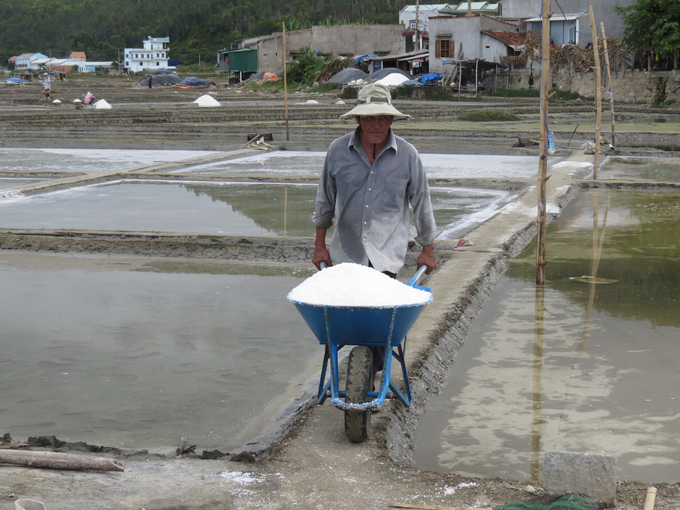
(653, 25)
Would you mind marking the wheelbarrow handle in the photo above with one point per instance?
(323, 265)
(419, 274)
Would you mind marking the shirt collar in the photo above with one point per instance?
(355, 140)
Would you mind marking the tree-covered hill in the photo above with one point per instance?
(101, 28)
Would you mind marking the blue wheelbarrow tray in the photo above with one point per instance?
(337, 326)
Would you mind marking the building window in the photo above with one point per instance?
(442, 48)
(158, 64)
(412, 24)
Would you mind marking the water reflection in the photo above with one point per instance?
(579, 367)
(87, 160)
(255, 209)
(641, 169)
(436, 165)
(119, 352)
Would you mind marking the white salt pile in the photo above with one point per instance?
(354, 285)
(206, 100)
(102, 104)
(393, 79)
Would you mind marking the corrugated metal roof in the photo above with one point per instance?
(558, 17)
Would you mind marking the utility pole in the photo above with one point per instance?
(543, 141)
(609, 80)
(417, 23)
(598, 92)
(285, 80)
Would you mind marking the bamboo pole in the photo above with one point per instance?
(543, 141)
(58, 460)
(285, 79)
(609, 80)
(598, 93)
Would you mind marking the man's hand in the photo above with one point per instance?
(321, 253)
(427, 258)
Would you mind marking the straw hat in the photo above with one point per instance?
(374, 99)
(45, 74)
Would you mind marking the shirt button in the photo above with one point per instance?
(369, 189)
(365, 223)
(367, 206)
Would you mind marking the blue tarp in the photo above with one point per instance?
(431, 78)
(15, 80)
(192, 81)
(361, 58)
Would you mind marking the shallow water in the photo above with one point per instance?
(227, 208)
(87, 160)
(575, 367)
(641, 169)
(10, 183)
(436, 165)
(131, 352)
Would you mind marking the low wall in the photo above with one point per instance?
(629, 86)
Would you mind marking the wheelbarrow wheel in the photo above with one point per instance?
(359, 383)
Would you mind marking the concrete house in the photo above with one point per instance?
(470, 38)
(78, 56)
(153, 56)
(570, 22)
(25, 60)
(337, 40)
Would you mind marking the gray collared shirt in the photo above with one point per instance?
(370, 203)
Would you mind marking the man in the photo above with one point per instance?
(47, 85)
(370, 177)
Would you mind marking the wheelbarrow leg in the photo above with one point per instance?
(359, 383)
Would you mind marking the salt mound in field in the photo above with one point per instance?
(206, 100)
(354, 285)
(393, 79)
(102, 104)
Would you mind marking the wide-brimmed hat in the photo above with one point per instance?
(374, 99)
(45, 74)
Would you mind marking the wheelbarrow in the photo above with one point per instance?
(363, 327)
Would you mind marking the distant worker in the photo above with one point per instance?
(150, 80)
(47, 85)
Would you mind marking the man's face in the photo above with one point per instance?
(375, 127)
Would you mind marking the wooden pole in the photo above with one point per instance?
(598, 93)
(285, 79)
(609, 80)
(543, 159)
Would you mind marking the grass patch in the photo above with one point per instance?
(330, 86)
(514, 93)
(559, 95)
(268, 86)
(489, 116)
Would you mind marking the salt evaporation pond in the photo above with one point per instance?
(140, 353)
(603, 375)
(88, 160)
(641, 169)
(10, 183)
(436, 165)
(227, 208)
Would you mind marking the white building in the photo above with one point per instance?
(153, 56)
(25, 60)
